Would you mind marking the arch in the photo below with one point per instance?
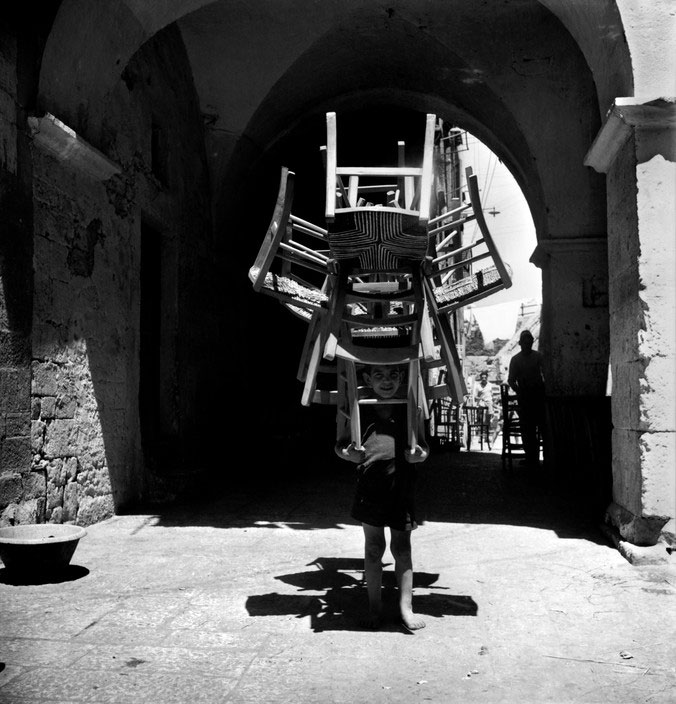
(499, 69)
(532, 79)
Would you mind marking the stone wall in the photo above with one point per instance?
(643, 340)
(22, 493)
(84, 433)
(72, 446)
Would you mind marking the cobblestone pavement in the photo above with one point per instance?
(257, 600)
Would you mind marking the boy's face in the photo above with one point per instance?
(385, 381)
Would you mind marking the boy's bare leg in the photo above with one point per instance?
(400, 545)
(374, 549)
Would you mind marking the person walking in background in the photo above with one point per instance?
(526, 378)
(482, 394)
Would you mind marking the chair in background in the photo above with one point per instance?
(445, 423)
(478, 425)
(512, 444)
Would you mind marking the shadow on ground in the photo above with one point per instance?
(342, 597)
(453, 487)
(69, 573)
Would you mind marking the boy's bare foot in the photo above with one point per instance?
(412, 621)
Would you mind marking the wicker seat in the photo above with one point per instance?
(286, 268)
(457, 280)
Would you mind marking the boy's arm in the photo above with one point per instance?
(347, 450)
(421, 451)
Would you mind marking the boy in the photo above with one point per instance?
(385, 492)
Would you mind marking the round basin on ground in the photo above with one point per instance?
(40, 547)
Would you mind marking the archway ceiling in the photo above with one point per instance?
(510, 72)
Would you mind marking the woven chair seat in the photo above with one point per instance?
(378, 240)
(298, 293)
(452, 292)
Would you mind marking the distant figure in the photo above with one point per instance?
(526, 378)
(385, 491)
(482, 394)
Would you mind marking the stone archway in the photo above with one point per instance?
(532, 79)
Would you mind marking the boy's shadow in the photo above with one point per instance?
(342, 603)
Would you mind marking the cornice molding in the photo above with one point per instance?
(565, 245)
(624, 115)
(55, 137)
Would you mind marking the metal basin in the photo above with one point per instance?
(38, 548)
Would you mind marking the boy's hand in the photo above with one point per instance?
(416, 454)
(351, 453)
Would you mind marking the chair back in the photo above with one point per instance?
(408, 189)
(475, 415)
(465, 273)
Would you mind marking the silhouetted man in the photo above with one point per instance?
(526, 378)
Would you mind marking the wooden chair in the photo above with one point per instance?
(445, 423)
(379, 297)
(287, 267)
(376, 311)
(408, 193)
(512, 444)
(457, 280)
(350, 395)
(477, 425)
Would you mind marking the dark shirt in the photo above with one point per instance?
(525, 374)
(385, 481)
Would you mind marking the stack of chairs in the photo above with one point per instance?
(378, 282)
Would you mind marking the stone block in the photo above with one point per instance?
(55, 472)
(35, 408)
(65, 407)
(15, 455)
(658, 487)
(48, 407)
(17, 424)
(71, 501)
(37, 435)
(56, 515)
(659, 336)
(626, 394)
(627, 469)
(28, 512)
(8, 516)
(93, 509)
(15, 349)
(61, 439)
(624, 331)
(638, 530)
(14, 390)
(54, 496)
(11, 488)
(657, 403)
(34, 485)
(71, 468)
(44, 378)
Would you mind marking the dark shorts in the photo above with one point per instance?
(384, 501)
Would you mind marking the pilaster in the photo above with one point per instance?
(636, 148)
